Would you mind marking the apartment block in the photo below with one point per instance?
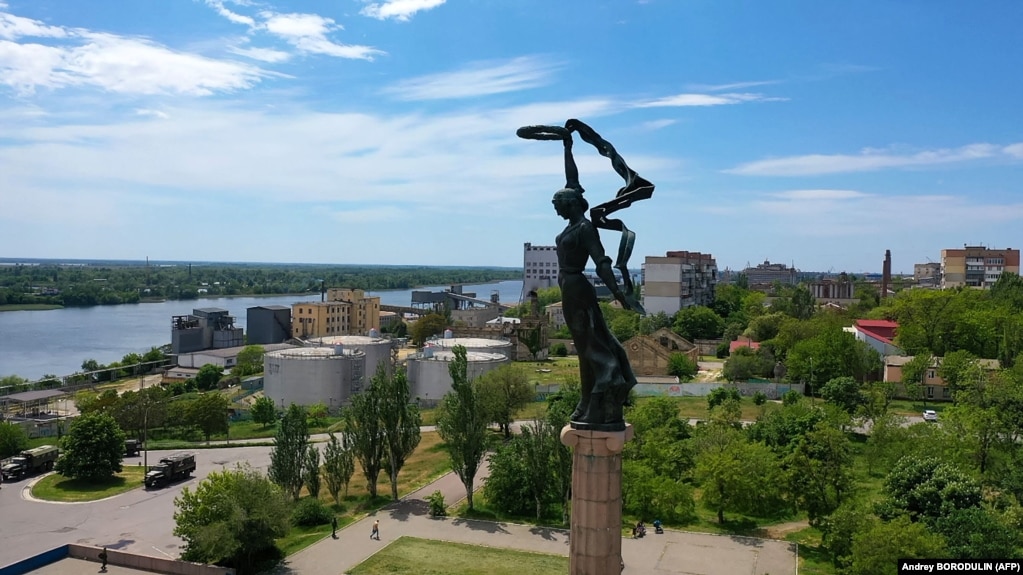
(677, 280)
(346, 312)
(976, 266)
(928, 274)
(539, 268)
(764, 275)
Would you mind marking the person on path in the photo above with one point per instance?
(375, 534)
(103, 560)
(333, 527)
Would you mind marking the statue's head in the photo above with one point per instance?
(567, 200)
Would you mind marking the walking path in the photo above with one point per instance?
(674, 552)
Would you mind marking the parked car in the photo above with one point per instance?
(930, 415)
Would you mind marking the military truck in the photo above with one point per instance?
(170, 469)
(30, 462)
(132, 447)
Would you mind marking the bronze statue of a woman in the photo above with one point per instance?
(604, 370)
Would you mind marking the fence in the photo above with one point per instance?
(771, 390)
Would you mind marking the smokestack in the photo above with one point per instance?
(886, 273)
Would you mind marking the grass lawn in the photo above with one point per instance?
(30, 307)
(428, 463)
(413, 556)
(812, 559)
(59, 488)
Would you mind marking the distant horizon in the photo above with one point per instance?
(636, 268)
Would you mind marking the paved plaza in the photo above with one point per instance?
(142, 522)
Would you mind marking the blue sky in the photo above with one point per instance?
(383, 131)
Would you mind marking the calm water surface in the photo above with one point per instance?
(33, 343)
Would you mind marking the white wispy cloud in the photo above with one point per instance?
(13, 27)
(398, 9)
(658, 124)
(235, 17)
(309, 33)
(813, 195)
(268, 55)
(478, 79)
(873, 159)
(59, 57)
(153, 113)
(695, 99)
(731, 86)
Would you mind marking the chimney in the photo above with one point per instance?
(886, 273)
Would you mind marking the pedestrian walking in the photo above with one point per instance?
(375, 534)
(333, 527)
(103, 560)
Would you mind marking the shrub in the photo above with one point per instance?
(437, 506)
(759, 398)
(722, 350)
(791, 397)
(310, 512)
(559, 350)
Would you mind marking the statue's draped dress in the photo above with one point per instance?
(603, 365)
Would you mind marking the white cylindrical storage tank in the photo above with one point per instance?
(448, 334)
(310, 375)
(377, 350)
(429, 378)
(483, 345)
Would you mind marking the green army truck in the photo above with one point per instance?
(170, 469)
(30, 462)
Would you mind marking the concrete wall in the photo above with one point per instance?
(145, 563)
(708, 346)
(35, 562)
(771, 390)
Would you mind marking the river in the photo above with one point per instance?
(34, 343)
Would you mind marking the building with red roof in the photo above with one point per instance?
(878, 334)
(743, 342)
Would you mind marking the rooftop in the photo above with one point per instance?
(313, 352)
(349, 340)
(469, 342)
(233, 351)
(471, 356)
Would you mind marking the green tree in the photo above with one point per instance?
(958, 368)
(264, 412)
(843, 392)
(250, 361)
(311, 471)
(539, 442)
(400, 421)
(648, 324)
(719, 395)
(287, 458)
(765, 327)
(698, 322)
(13, 439)
(926, 488)
(208, 412)
(208, 377)
(338, 467)
(682, 367)
(820, 471)
(91, 449)
(744, 364)
(739, 476)
(317, 413)
(839, 529)
(877, 549)
(233, 518)
(503, 392)
(364, 430)
(975, 533)
(504, 488)
(462, 424)
(427, 326)
(646, 494)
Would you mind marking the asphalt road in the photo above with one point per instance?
(139, 521)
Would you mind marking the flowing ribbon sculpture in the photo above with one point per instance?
(635, 189)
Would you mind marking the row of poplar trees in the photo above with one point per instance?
(380, 430)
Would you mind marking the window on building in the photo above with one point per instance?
(930, 374)
(930, 392)
(946, 393)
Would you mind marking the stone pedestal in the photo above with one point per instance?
(596, 539)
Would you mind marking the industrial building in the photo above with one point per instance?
(268, 324)
(345, 312)
(976, 266)
(472, 344)
(765, 275)
(311, 375)
(928, 274)
(225, 358)
(204, 328)
(677, 280)
(465, 308)
(379, 351)
(539, 268)
(430, 379)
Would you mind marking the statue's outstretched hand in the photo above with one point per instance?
(628, 302)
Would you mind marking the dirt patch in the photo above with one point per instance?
(780, 530)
